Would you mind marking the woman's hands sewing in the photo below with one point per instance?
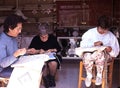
(19, 52)
(100, 43)
(108, 49)
(41, 51)
(51, 50)
(32, 51)
(47, 51)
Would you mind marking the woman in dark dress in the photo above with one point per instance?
(44, 43)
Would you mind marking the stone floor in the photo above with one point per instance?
(68, 75)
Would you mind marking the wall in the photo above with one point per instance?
(85, 16)
(85, 12)
(116, 13)
(34, 11)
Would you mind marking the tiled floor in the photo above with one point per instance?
(68, 75)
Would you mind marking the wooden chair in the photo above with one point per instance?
(106, 82)
(5, 76)
(3, 82)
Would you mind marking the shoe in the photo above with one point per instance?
(46, 82)
(52, 81)
(88, 81)
(98, 81)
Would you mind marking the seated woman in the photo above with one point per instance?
(9, 52)
(98, 36)
(46, 43)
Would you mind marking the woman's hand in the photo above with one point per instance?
(51, 50)
(108, 49)
(41, 51)
(32, 51)
(98, 43)
(20, 52)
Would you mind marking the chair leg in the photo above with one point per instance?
(103, 83)
(110, 74)
(80, 75)
(104, 78)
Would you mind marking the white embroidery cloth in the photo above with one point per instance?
(80, 50)
(27, 71)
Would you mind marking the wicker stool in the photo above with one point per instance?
(104, 83)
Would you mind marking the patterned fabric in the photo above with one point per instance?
(97, 57)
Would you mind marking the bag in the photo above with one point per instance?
(59, 59)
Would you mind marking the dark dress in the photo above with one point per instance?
(51, 43)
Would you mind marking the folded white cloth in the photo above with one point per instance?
(30, 60)
(80, 50)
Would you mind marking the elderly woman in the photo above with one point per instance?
(44, 43)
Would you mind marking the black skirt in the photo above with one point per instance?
(57, 59)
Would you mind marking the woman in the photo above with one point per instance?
(9, 51)
(46, 43)
(95, 37)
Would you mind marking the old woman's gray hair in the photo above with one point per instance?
(43, 28)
